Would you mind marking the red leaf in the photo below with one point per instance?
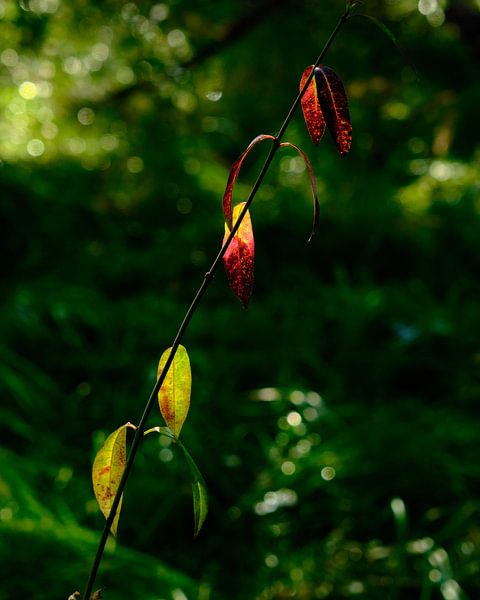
(316, 206)
(227, 196)
(312, 111)
(239, 257)
(334, 103)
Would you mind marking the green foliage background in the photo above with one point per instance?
(336, 421)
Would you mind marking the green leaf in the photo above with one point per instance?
(199, 492)
(107, 471)
(174, 395)
(401, 50)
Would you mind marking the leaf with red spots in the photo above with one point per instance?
(312, 111)
(174, 395)
(316, 207)
(239, 257)
(334, 103)
(107, 471)
(227, 196)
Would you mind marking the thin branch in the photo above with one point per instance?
(193, 307)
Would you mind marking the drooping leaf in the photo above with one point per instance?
(199, 492)
(199, 489)
(316, 206)
(174, 395)
(227, 196)
(239, 257)
(334, 103)
(392, 37)
(312, 111)
(107, 471)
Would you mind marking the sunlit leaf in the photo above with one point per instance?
(316, 207)
(227, 196)
(334, 103)
(107, 471)
(199, 492)
(161, 430)
(174, 395)
(239, 257)
(312, 111)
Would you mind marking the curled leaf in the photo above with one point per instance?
(312, 111)
(239, 256)
(316, 206)
(160, 430)
(232, 177)
(334, 103)
(107, 471)
(199, 492)
(174, 395)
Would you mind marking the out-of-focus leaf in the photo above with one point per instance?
(199, 492)
(239, 257)
(107, 471)
(316, 206)
(227, 196)
(312, 111)
(393, 38)
(334, 103)
(174, 395)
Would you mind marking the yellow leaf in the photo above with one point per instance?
(174, 395)
(107, 471)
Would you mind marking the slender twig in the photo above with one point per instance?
(192, 308)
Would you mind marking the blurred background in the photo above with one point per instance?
(336, 421)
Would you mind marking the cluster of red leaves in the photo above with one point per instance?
(324, 105)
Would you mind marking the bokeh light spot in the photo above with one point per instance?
(271, 560)
(28, 90)
(86, 116)
(294, 418)
(9, 57)
(35, 147)
(159, 12)
(288, 467)
(134, 164)
(328, 473)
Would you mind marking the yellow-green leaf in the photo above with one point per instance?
(107, 471)
(174, 395)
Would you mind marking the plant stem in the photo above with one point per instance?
(192, 308)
